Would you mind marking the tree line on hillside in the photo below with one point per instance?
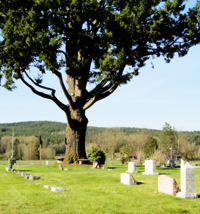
(143, 143)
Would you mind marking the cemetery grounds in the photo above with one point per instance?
(90, 191)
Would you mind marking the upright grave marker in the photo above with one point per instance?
(150, 167)
(131, 167)
(187, 181)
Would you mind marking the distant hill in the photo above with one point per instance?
(44, 128)
(55, 131)
(31, 128)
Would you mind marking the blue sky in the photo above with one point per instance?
(168, 93)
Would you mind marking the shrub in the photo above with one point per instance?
(4, 157)
(125, 152)
(150, 146)
(97, 156)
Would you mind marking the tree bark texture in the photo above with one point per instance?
(75, 138)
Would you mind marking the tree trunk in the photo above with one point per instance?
(75, 137)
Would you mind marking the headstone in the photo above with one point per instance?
(162, 165)
(10, 163)
(33, 177)
(167, 185)
(150, 167)
(57, 189)
(172, 163)
(26, 176)
(48, 186)
(60, 167)
(127, 179)
(22, 174)
(47, 162)
(54, 188)
(187, 181)
(131, 167)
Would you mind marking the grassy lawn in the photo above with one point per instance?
(90, 191)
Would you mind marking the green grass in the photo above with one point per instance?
(29, 162)
(90, 191)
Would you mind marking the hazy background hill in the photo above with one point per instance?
(47, 128)
(110, 140)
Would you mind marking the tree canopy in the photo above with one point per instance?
(151, 145)
(50, 35)
(168, 137)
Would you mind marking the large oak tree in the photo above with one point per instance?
(103, 42)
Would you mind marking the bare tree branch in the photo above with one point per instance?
(44, 87)
(58, 74)
(52, 97)
(100, 96)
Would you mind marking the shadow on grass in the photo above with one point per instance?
(112, 167)
(139, 183)
(164, 173)
(27, 170)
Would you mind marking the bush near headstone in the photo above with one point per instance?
(97, 156)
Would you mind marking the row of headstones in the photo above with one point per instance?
(150, 167)
(33, 177)
(166, 184)
(26, 175)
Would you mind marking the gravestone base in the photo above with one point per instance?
(132, 171)
(187, 195)
(147, 173)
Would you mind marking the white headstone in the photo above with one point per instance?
(187, 181)
(150, 167)
(131, 167)
(127, 179)
(47, 162)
